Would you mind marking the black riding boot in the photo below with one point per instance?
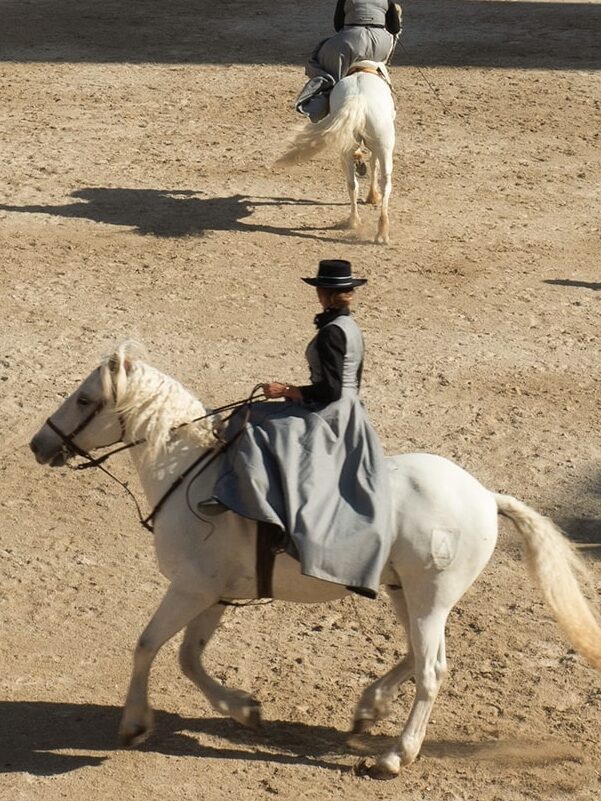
(314, 98)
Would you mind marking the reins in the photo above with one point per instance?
(211, 455)
(97, 462)
(203, 462)
(434, 89)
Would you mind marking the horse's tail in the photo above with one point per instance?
(553, 564)
(341, 129)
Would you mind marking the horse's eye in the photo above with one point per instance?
(83, 400)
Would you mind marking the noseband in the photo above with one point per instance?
(68, 439)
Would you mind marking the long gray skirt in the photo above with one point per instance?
(320, 475)
(336, 54)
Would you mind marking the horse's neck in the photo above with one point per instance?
(159, 468)
(159, 474)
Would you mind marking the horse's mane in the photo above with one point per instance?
(151, 403)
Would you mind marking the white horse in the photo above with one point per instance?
(445, 532)
(361, 112)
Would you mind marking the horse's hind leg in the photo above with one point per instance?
(348, 165)
(178, 607)
(373, 196)
(428, 641)
(360, 165)
(375, 701)
(236, 704)
(385, 160)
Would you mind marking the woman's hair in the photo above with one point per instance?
(337, 298)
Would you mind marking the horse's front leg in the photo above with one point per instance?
(348, 165)
(376, 699)
(179, 606)
(237, 704)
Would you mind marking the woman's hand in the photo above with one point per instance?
(274, 390)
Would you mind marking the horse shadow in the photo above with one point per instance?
(33, 731)
(594, 285)
(171, 213)
(451, 33)
(584, 532)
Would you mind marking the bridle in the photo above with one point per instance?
(68, 439)
(203, 461)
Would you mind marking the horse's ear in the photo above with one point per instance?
(116, 361)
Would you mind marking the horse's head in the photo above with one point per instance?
(88, 418)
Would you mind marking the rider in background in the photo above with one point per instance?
(366, 31)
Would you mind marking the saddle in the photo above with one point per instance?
(373, 68)
(271, 541)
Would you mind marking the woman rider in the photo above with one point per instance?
(313, 465)
(366, 30)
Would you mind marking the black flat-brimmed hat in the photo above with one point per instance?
(335, 274)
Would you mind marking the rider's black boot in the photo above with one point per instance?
(313, 100)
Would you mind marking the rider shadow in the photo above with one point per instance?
(169, 213)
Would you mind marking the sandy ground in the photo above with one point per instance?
(137, 198)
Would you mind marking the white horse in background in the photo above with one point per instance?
(445, 530)
(361, 112)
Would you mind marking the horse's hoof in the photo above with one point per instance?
(355, 740)
(362, 725)
(373, 199)
(360, 168)
(376, 770)
(382, 239)
(133, 735)
(252, 717)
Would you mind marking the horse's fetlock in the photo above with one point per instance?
(410, 747)
(428, 686)
(135, 729)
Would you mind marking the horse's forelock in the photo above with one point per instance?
(116, 368)
(106, 382)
